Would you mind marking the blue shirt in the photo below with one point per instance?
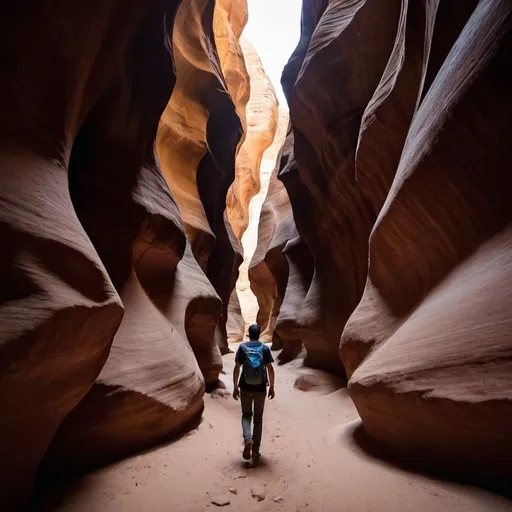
(240, 359)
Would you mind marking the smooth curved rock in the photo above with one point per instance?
(236, 324)
(183, 144)
(399, 188)
(256, 241)
(262, 121)
(87, 221)
(437, 392)
(59, 308)
(150, 386)
(181, 138)
(59, 311)
(194, 310)
(200, 132)
(275, 213)
(300, 273)
(217, 132)
(330, 211)
(225, 132)
(430, 340)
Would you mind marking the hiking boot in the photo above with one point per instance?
(247, 449)
(255, 456)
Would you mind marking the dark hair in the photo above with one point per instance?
(254, 331)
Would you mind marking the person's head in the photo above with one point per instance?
(254, 332)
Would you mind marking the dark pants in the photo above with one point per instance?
(248, 398)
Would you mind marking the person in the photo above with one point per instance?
(250, 385)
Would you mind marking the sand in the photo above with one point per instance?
(310, 462)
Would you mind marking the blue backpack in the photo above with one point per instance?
(254, 367)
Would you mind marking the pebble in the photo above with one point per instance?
(278, 499)
(258, 492)
(232, 490)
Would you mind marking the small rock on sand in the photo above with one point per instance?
(278, 499)
(221, 501)
(258, 492)
(232, 490)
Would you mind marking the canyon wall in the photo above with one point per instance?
(398, 179)
(121, 126)
(262, 122)
(199, 135)
(244, 298)
(273, 269)
(262, 118)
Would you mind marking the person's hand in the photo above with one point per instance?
(236, 393)
(271, 393)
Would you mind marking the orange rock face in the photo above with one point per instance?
(199, 137)
(114, 292)
(261, 128)
(275, 223)
(255, 247)
(262, 117)
(398, 186)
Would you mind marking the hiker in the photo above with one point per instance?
(257, 372)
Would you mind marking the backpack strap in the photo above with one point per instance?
(246, 349)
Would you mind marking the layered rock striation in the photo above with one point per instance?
(199, 136)
(118, 260)
(428, 348)
(262, 120)
(397, 181)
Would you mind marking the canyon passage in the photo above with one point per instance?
(156, 198)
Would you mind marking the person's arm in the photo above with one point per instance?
(271, 379)
(236, 374)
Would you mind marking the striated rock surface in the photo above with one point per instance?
(89, 228)
(274, 226)
(253, 238)
(300, 273)
(259, 146)
(229, 20)
(270, 277)
(430, 339)
(151, 385)
(235, 325)
(331, 213)
(199, 136)
(186, 148)
(225, 130)
(262, 119)
(398, 188)
(60, 310)
(181, 137)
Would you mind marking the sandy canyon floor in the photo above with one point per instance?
(310, 462)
